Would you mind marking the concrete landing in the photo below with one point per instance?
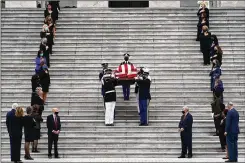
(127, 160)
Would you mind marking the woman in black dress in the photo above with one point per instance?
(44, 81)
(49, 12)
(205, 42)
(202, 22)
(37, 93)
(29, 132)
(222, 137)
(217, 54)
(37, 115)
(44, 48)
(49, 29)
(16, 133)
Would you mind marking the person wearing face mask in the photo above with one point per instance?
(217, 54)
(218, 89)
(185, 129)
(45, 49)
(205, 45)
(144, 96)
(44, 81)
(215, 42)
(126, 70)
(54, 126)
(40, 60)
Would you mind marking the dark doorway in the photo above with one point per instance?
(128, 4)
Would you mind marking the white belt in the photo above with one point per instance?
(110, 91)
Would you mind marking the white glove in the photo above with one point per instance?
(212, 114)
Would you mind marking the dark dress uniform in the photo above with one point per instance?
(144, 96)
(206, 42)
(102, 88)
(44, 80)
(29, 125)
(186, 135)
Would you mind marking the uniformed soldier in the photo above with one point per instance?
(109, 82)
(144, 96)
(101, 74)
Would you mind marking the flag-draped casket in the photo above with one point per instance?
(126, 71)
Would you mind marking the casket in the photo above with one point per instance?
(126, 73)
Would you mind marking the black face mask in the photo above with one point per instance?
(183, 112)
(56, 113)
(126, 58)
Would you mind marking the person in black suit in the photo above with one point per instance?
(49, 12)
(54, 126)
(185, 129)
(222, 137)
(16, 134)
(29, 124)
(205, 43)
(9, 119)
(55, 8)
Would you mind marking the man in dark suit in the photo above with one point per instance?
(231, 132)
(53, 125)
(9, 118)
(185, 129)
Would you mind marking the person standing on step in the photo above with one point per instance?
(205, 43)
(49, 12)
(185, 129)
(144, 96)
(9, 120)
(231, 132)
(126, 69)
(29, 125)
(202, 22)
(109, 82)
(215, 42)
(55, 8)
(202, 12)
(136, 90)
(216, 114)
(54, 126)
(16, 132)
(222, 137)
(218, 89)
(49, 29)
(217, 54)
(45, 82)
(101, 74)
(215, 73)
(40, 61)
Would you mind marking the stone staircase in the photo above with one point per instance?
(161, 39)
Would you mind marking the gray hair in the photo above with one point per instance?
(186, 107)
(44, 41)
(15, 105)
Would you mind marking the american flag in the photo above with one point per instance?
(126, 70)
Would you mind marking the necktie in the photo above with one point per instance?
(55, 122)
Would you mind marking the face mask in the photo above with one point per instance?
(126, 58)
(56, 113)
(41, 55)
(183, 112)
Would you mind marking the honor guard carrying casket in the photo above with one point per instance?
(126, 72)
(143, 81)
(109, 82)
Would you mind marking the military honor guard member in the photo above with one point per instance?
(143, 82)
(126, 70)
(109, 82)
(101, 74)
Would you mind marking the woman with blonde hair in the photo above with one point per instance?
(49, 29)
(16, 134)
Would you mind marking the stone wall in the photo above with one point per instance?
(232, 4)
(165, 4)
(20, 4)
(92, 3)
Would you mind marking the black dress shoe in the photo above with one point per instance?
(225, 158)
(57, 157)
(182, 156)
(49, 157)
(215, 135)
(189, 156)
